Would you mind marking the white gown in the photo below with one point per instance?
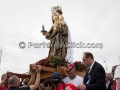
(70, 51)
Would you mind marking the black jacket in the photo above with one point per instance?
(97, 78)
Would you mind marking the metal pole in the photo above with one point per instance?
(0, 56)
(106, 67)
(119, 57)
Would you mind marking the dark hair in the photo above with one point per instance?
(89, 54)
(115, 66)
(47, 82)
(3, 76)
(53, 21)
(59, 11)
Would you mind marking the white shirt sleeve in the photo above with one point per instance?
(82, 81)
(117, 72)
(65, 79)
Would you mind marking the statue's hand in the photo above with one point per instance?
(47, 34)
(43, 32)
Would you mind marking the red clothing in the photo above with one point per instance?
(114, 84)
(3, 87)
(67, 87)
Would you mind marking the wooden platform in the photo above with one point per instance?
(46, 72)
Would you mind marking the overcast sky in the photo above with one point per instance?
(90, 21)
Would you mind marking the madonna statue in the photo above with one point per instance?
(59, 36)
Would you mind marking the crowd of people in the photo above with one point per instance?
(95, 78)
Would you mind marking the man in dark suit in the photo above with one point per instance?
(95, 76)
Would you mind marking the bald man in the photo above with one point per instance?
(14, 82)
(95, 76)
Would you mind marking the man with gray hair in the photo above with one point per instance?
(14, 82)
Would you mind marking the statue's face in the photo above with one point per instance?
(57, 14)
(55, 18)
(53, 15)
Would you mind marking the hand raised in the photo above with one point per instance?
(39, 67)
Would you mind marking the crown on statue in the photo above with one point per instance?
(55, 8)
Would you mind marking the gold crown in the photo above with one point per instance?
(55, 8)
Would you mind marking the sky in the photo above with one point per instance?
(89, 21)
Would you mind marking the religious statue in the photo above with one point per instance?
(59, 36)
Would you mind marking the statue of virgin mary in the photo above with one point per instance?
(59, 36)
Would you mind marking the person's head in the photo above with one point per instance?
(107, 77)
(59, 12)
(3, 77)
(47, 84)
(55, 78)
(88, 58)
(71, 71)
(14, 81)
(26, 80)
(54, 17)
(113, 70)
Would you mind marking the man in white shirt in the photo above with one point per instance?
(72, 77)
(117, 77)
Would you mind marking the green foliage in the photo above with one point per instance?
(79, 66)
(53, 62)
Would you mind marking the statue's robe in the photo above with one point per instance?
(58, 36)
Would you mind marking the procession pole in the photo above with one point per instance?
(0, 56)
